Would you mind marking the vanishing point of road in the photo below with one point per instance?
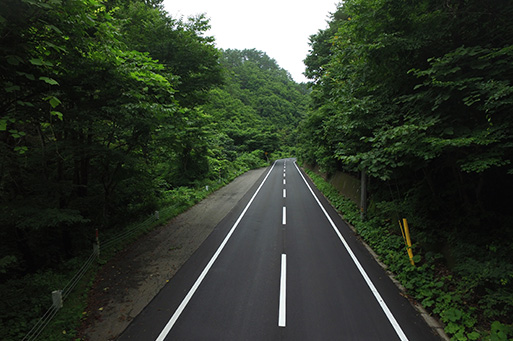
(282, 265)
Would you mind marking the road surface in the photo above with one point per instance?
(281, 266)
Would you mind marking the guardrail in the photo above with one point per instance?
(59, 296)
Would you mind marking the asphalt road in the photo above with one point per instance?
(281, 265)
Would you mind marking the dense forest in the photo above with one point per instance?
(417, 94)
(111, 110)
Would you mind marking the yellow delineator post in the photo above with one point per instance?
(406, 236)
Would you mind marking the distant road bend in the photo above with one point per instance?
(281, 265)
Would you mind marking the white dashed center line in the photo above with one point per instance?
(283, 292)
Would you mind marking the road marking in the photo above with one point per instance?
(191, 292)
(284, 182)
(283, 174)
(284, 193)
(371, 286)
(283, 292)
(284, 216)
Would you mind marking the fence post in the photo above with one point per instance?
(157, 215)
(57, 299)
(96, 250)
(363, 195)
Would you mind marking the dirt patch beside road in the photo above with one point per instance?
(129, 281)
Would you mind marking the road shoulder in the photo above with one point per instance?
(129, 281)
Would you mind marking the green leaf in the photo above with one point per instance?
(13, 60)
(16, 134)
(428, 302)
(48, 80)
(3, 124)
(500, 332)
(25, 104)
(27, 75)
(54, 101)
(36, 61)
(473, 336)
(40, 62)
(452, 314)
(55, 29)
(56, 113)
(57, 48)
(21, 150)
(12, 88)
(452, 328)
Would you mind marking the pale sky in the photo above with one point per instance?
(280, 28)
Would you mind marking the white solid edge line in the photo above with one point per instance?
(378, 297)
(283, 292)
(191, 292)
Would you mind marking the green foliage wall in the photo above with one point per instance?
(82, 116)
(418, 94)
(106, 106)
(107, 110)
(259, 105)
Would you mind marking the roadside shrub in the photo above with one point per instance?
(487, 276)
(252, 160)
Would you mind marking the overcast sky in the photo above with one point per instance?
(280, 28)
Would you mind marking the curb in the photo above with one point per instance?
(431, 321)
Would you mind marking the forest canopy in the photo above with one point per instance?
(111, 110)
(108, 107)
(418, 96)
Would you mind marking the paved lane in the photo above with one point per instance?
(277, 268)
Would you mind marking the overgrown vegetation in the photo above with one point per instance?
(443, 293)
(111, 110)
(418, 95)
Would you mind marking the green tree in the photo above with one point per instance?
(417, 94)
(270, 104)
(82, 114)
(181, 46)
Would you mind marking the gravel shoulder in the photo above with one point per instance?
(130, 280)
